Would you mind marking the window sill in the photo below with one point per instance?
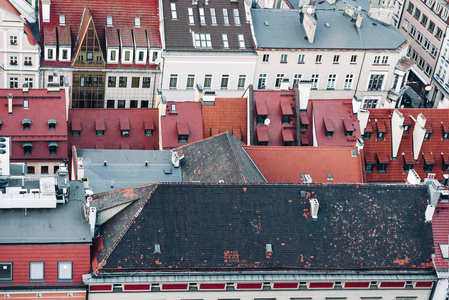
(318, 63)
(283, 62)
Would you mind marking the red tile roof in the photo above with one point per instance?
(113, 121)
(270, 103)
(287, 135)
(333, 115)
(262, 134)
(122, 12)
(140, 37)
(112, 39)
(64, 37)
(38, 112)
(50, 36)
(287, 164)
(183, 128)
(228, 114)
(187, 112)
(126, 37)
(433, 147)
(440, 228)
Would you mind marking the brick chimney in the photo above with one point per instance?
(397, 129)
(418, 134)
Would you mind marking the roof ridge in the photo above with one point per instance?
(235, 156)
(139, 210)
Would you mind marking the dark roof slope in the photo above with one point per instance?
(218, 158)
(226, 227)
(178, 32)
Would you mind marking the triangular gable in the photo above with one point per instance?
(88, 49)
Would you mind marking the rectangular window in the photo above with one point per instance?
(65, 54)
(224, 82)
(202, 16)
(428, 70)
(417, 14)
(236, 17)
(213, 16)
(27, 61)
(44, 169)
(331, 81)
(433, 51)
(279, 78)
(296, 78)
(144, 104)
(410, 7)
(122, 81)
(424, 20)
(419, 37)
(5, 271)
(109, 21)
(50, 53)
(26, 104)
(315, 78)
(414, 55)
(190, 81)
(225, 16)
(29, 82)
(110, 104)
(146, 82)
(421, 63)
(336, 59)
(202, 40)
(120, 104)
(113, 53)
(135, 82)
(353, 59)
(174, 14)
(412, 31)
(318, 59)
(13, 82)
(101, 132)
(405, 25)
(439, 33)
(348, 81)
(261, 85)
(385, 59)
(77, 133)
(173, 81)
(426, 44)
(284, 58)
(241, 41)
(111, 81)
(191, 18)
(61, 19)
(65, 271)
(225, 41)
(137, 22)
(13, 60)
(431, 27)
(13, 40)
(370, 103)
(301, 58)
(241, 83)
(207, 81)
(266, 57)
(376, 59)
(127, 55)
(375, 82)
(141, 56)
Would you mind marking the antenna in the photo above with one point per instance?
(267, 122)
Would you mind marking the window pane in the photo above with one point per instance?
(65, 271)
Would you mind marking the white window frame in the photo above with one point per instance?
(318, 58)
(296, 78)
(209, 78)
(173, 78)
(202, 16)
(405, 24)
(266, 58)
(37, 271)
(225, 41)
(191, 16)
(213, 16)
(279, 78)
(315, 78)
(301, 58)
(29, 81)
(336, 59)
(239, 85)
(109, 22)
(348, 81)
(174, 13)
(371, 102)
(385, 59)
(190, 79)
(376, 60)
(61, 19)
(284, 58)
(137, 22)
(225, 17)
(331, 81)
(262, 81)
(236, 17)
(202, 40)
(353, 59)
(62, 267)
(224, 78)
(384, 80)
(241, 41)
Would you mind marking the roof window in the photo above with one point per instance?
(51, 124)
(382, 162)
(429, 131)
(328, 127)
(381, 130)
(429, 162)
(157, 248)
(109, 21)
(26, 124)
(445, 130)
(137, 22)
(349, 128)
(61, 19)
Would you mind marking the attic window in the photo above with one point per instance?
(261, 112)
(381, 130)
(445, 161)
(444, 248)
(445, 130)
(329, 176)
(173, 109)
(409, 162)
(183, 132)
(51, 124)
(304, 120)
(109, 21)
(406, 126)
(382, 162)
(369, 163)
(61, 19)
(137, 22)
(353, 153)
(349, 128)
(429, 162)
(328, 127)
(429, 132)
(287, 137)
(262, 136)
(269, 248)
(368, 132)
(287, 112)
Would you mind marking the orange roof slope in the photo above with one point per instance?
(436, 118)
(287, 164)
(228, 114)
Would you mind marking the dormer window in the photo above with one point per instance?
(287, 137)
(349, 128)
(65, 54)
(124, 127)
(183, 132)
(51, 124)
(429, 162)
(328, 127)
(382, 162)
(368, 131)
(61, 19)
(27, 148)
(141, 56)
(369, 163)
(261, 112)
(262, 136)
(137, 22)
(406, 127)
(109, 21)
(124, 132)
(381, 130)
(409, 162)
(49, 53)
(174, 14)
(304, 120)
(53, 147)
(428, 133)
(99, 132)
(445, 127)
(26, 123)
(127, 55)
(445, 161)
(113, 55)
(100, 127)
(287, 113)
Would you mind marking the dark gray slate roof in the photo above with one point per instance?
(218, 158)
(286, 32)
(226, 227)
(63, 224)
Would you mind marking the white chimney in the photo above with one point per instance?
(304, 87)
(46, 11)
(92, 220)
(314, 207)
(363, 117)
(418, 134)
(10, 104)
(349, 10)
(198, 93)
(413, 177)
(309, 25)
(397, 129)
(358, 22)
(381, 13)
(429, 212)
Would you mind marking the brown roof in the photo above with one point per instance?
(126, 37)
(178, 32)
(140, 37)
(112, 37)
(50, 36)
(64, 37)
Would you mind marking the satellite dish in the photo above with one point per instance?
(267, 122)
(309, 10)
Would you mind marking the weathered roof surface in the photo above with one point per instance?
(227, 114)
(333, 114)
(218, 158)
(287, 164)
(435, 147)
(63, 224)
(440, 227)
(111, 35)
(286, 32)
(269, 103)
(226, 227)
(178, 32)
(126, 168)
(64, 37)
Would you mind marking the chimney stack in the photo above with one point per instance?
(358, 22)
(413, 177)
(363, 116)
(46, 11)
(285, 84)
(304, 87)
(397, 129)
(198, 93)
(418, 134)
(314, 207)
(10, 104)
(309, 25)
